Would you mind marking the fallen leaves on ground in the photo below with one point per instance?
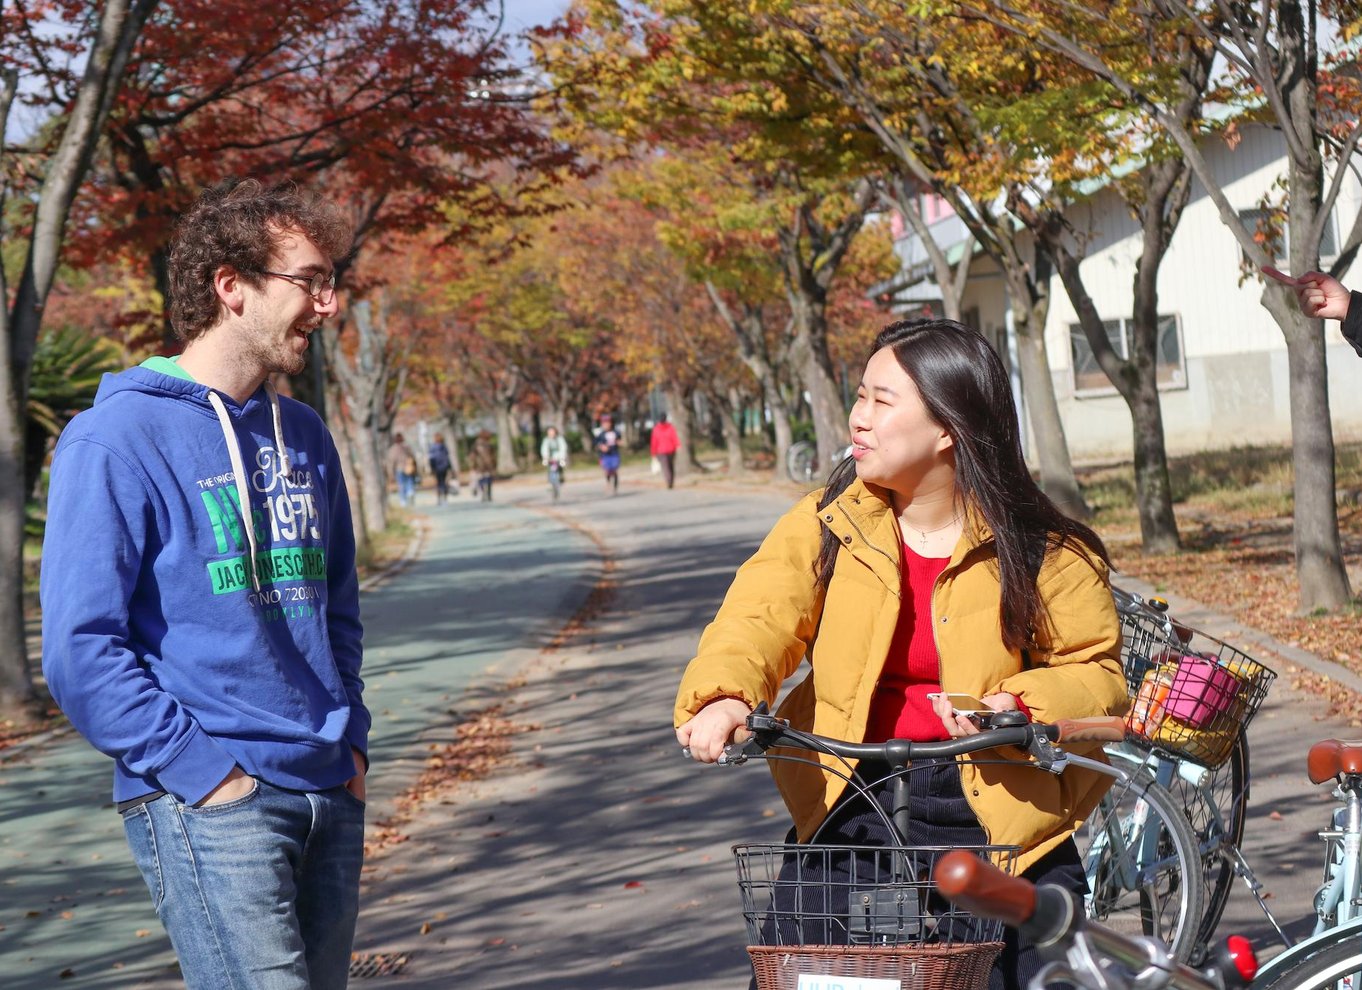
(481, 744)
(1244, 565)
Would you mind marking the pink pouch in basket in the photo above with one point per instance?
(1201, 691)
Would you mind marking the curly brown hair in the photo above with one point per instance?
(237, 223)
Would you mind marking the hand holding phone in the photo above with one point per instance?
(962, 704)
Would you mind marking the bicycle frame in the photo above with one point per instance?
(1337, 901)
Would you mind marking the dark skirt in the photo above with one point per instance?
(940, 817)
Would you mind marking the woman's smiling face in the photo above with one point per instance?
(894, 439)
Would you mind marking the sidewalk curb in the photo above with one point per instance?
(421, 525)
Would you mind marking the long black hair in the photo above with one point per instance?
(966, 390)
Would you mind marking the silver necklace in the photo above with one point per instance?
(924, 533)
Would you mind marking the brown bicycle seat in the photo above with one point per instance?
(1333, 758)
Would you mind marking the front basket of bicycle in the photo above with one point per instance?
(1191, 694)
(861, 912)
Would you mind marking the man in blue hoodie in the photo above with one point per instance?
(201, 608)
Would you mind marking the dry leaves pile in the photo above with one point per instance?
(481, 743)
(1243, 565)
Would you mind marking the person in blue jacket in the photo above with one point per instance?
(201, 608)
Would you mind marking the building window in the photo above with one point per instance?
(1269, 226)
(1089, 376)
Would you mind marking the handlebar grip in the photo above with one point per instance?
(984, 890)
(1099, 728)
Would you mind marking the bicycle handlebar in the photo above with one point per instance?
(764, 731)
(1053, 918)
(984, 890)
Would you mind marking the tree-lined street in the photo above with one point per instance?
(594, 856)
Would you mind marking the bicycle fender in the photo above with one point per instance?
(1303, 950)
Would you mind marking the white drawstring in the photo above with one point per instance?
(243, 491)
(278, 416)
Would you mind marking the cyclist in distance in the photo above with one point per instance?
(553, 452)
(931, 562)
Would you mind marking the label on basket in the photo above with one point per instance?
(812, 981)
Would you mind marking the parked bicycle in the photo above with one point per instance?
(802, 463)
(1091, 955)
(832, 910)
(1192, 698)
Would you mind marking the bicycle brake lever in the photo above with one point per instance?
(736, 754)
(1047, 755)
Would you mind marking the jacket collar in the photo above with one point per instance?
(863, 520)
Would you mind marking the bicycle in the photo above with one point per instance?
(1204, 762)
(555, 478)
(1080, 951)
(815, 916)
(802, 464)
(1092, 956)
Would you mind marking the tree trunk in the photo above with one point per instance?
(820, 384)
(677, 405)
(371, 387)
(1047, 429)
(732, 433)
(506, 432)
(17, 694)
(1135, 378)
(119, 24)
(345, 447)
(1319, 553)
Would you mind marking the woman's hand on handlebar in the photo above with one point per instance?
(712, 729)
(963, 725)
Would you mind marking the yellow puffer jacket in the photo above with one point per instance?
(773, 615)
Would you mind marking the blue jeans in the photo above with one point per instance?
(406, 488)
(260, 893)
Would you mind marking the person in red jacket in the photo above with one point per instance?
(664, 445)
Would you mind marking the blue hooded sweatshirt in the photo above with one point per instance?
(178, 640)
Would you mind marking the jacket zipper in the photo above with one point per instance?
(859, 532)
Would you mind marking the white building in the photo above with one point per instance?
(1223, 368)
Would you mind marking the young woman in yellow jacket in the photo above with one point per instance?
(931, 563)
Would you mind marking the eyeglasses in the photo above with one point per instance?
(321, 286)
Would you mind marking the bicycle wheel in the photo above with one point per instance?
(1215, 806)
(1142, 866)
(1337, 966)
(801, 461)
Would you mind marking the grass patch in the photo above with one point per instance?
(386, 548)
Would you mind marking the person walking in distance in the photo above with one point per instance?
(438, 456)
(403, 467)
(664, 444)
(484, 464)
(201, 607)
(608, 446)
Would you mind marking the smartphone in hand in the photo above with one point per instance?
(963, 704)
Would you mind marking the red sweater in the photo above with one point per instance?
(901, 709)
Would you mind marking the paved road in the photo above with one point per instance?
(491, 585)
(599, 859)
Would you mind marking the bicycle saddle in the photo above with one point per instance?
(1333, 758)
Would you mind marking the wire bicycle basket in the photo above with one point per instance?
(864, 912)
(1191, 694)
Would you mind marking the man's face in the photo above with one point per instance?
(281, 315)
